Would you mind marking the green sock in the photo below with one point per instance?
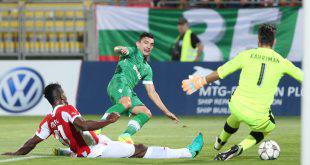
(230, 127)
(130, 130)
(115, 108)
(136, 123)
(224, 136)
(248, 142)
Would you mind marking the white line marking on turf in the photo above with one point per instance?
(21, 158)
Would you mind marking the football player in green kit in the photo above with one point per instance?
(131, 69)
(261, 71)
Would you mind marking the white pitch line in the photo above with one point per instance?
(21, 158)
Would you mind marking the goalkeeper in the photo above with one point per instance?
(261, 71)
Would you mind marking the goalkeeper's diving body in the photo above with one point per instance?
(261, 71)
(131, 68)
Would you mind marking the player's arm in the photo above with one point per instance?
(122, 50)
(196, 82)
(89, 125)
(199, 51)
(27, 147)
(197, 44)
(293, 71)
(153, 95)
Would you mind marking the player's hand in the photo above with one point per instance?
(124, 50)
(121, 50)
(193, 84)
(172, 117)
(113, 117)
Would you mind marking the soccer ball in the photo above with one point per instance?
(269, 150)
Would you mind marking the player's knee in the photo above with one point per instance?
(229, 129)
(140, 150)
(148, 113)
(272, 125)
(258, 136)
(126, 101)
(144, 110)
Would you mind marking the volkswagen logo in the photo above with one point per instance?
(20, 89)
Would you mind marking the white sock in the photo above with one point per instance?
(104, 117)
(165, 152)
(65, 151)
(134, 124)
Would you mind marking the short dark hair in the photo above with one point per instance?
(145, 34)
(182, 21)
(267, 34)
(53, 92)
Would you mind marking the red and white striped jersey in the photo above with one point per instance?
(60, 124)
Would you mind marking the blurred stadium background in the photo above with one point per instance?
(71, 42)
(43, 29)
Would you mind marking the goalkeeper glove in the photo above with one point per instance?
(193, 83)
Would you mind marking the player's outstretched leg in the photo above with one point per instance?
(190, 151)
(116, 149)
(248, 142)
(231, 126)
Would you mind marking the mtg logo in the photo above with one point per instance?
(20, 89)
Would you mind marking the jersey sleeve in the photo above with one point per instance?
(195, 40)
(293, 71)
(70, 114)
(148, 79)
(44, 131)
(231, 66)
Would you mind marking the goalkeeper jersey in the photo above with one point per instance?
(261, 71)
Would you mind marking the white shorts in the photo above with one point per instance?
(111, 149)
(103, 138)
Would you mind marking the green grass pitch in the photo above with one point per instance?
(158, 131)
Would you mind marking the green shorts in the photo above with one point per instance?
(258, 122)
(118, 88)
